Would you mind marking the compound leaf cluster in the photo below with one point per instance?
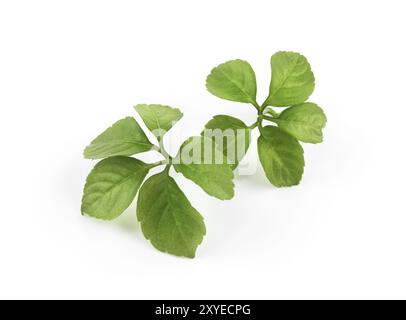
(167, 218)
(292, 82)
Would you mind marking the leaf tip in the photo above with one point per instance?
(86, 153)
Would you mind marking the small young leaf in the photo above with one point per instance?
(158, 118)
(167, 218)
(281, 157)
(304, 121)
(234, 139)
(233, 80)
(292, 79)
(201, 161)
(111, 186)
(124, 138)
(271, 112)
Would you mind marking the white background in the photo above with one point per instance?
(69, 69)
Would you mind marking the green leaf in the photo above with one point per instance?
(200, 161)
(231, 135)
(124, 138)
(158, 118)
(233, 80)
(292, 79)
(167, 218)
(281, 157)
(112, 185)
(304, 121)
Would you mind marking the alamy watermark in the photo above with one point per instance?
(214, 146)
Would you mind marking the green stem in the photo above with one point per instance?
(260, 125)
(256, 105)
(265, 104)
(269, 118)
(155, 148)
(261, 115)
(158, 163)
(254, 125)
(168, 166)
(163, 151)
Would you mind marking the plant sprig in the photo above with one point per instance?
(292, 82)
(167, 217)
